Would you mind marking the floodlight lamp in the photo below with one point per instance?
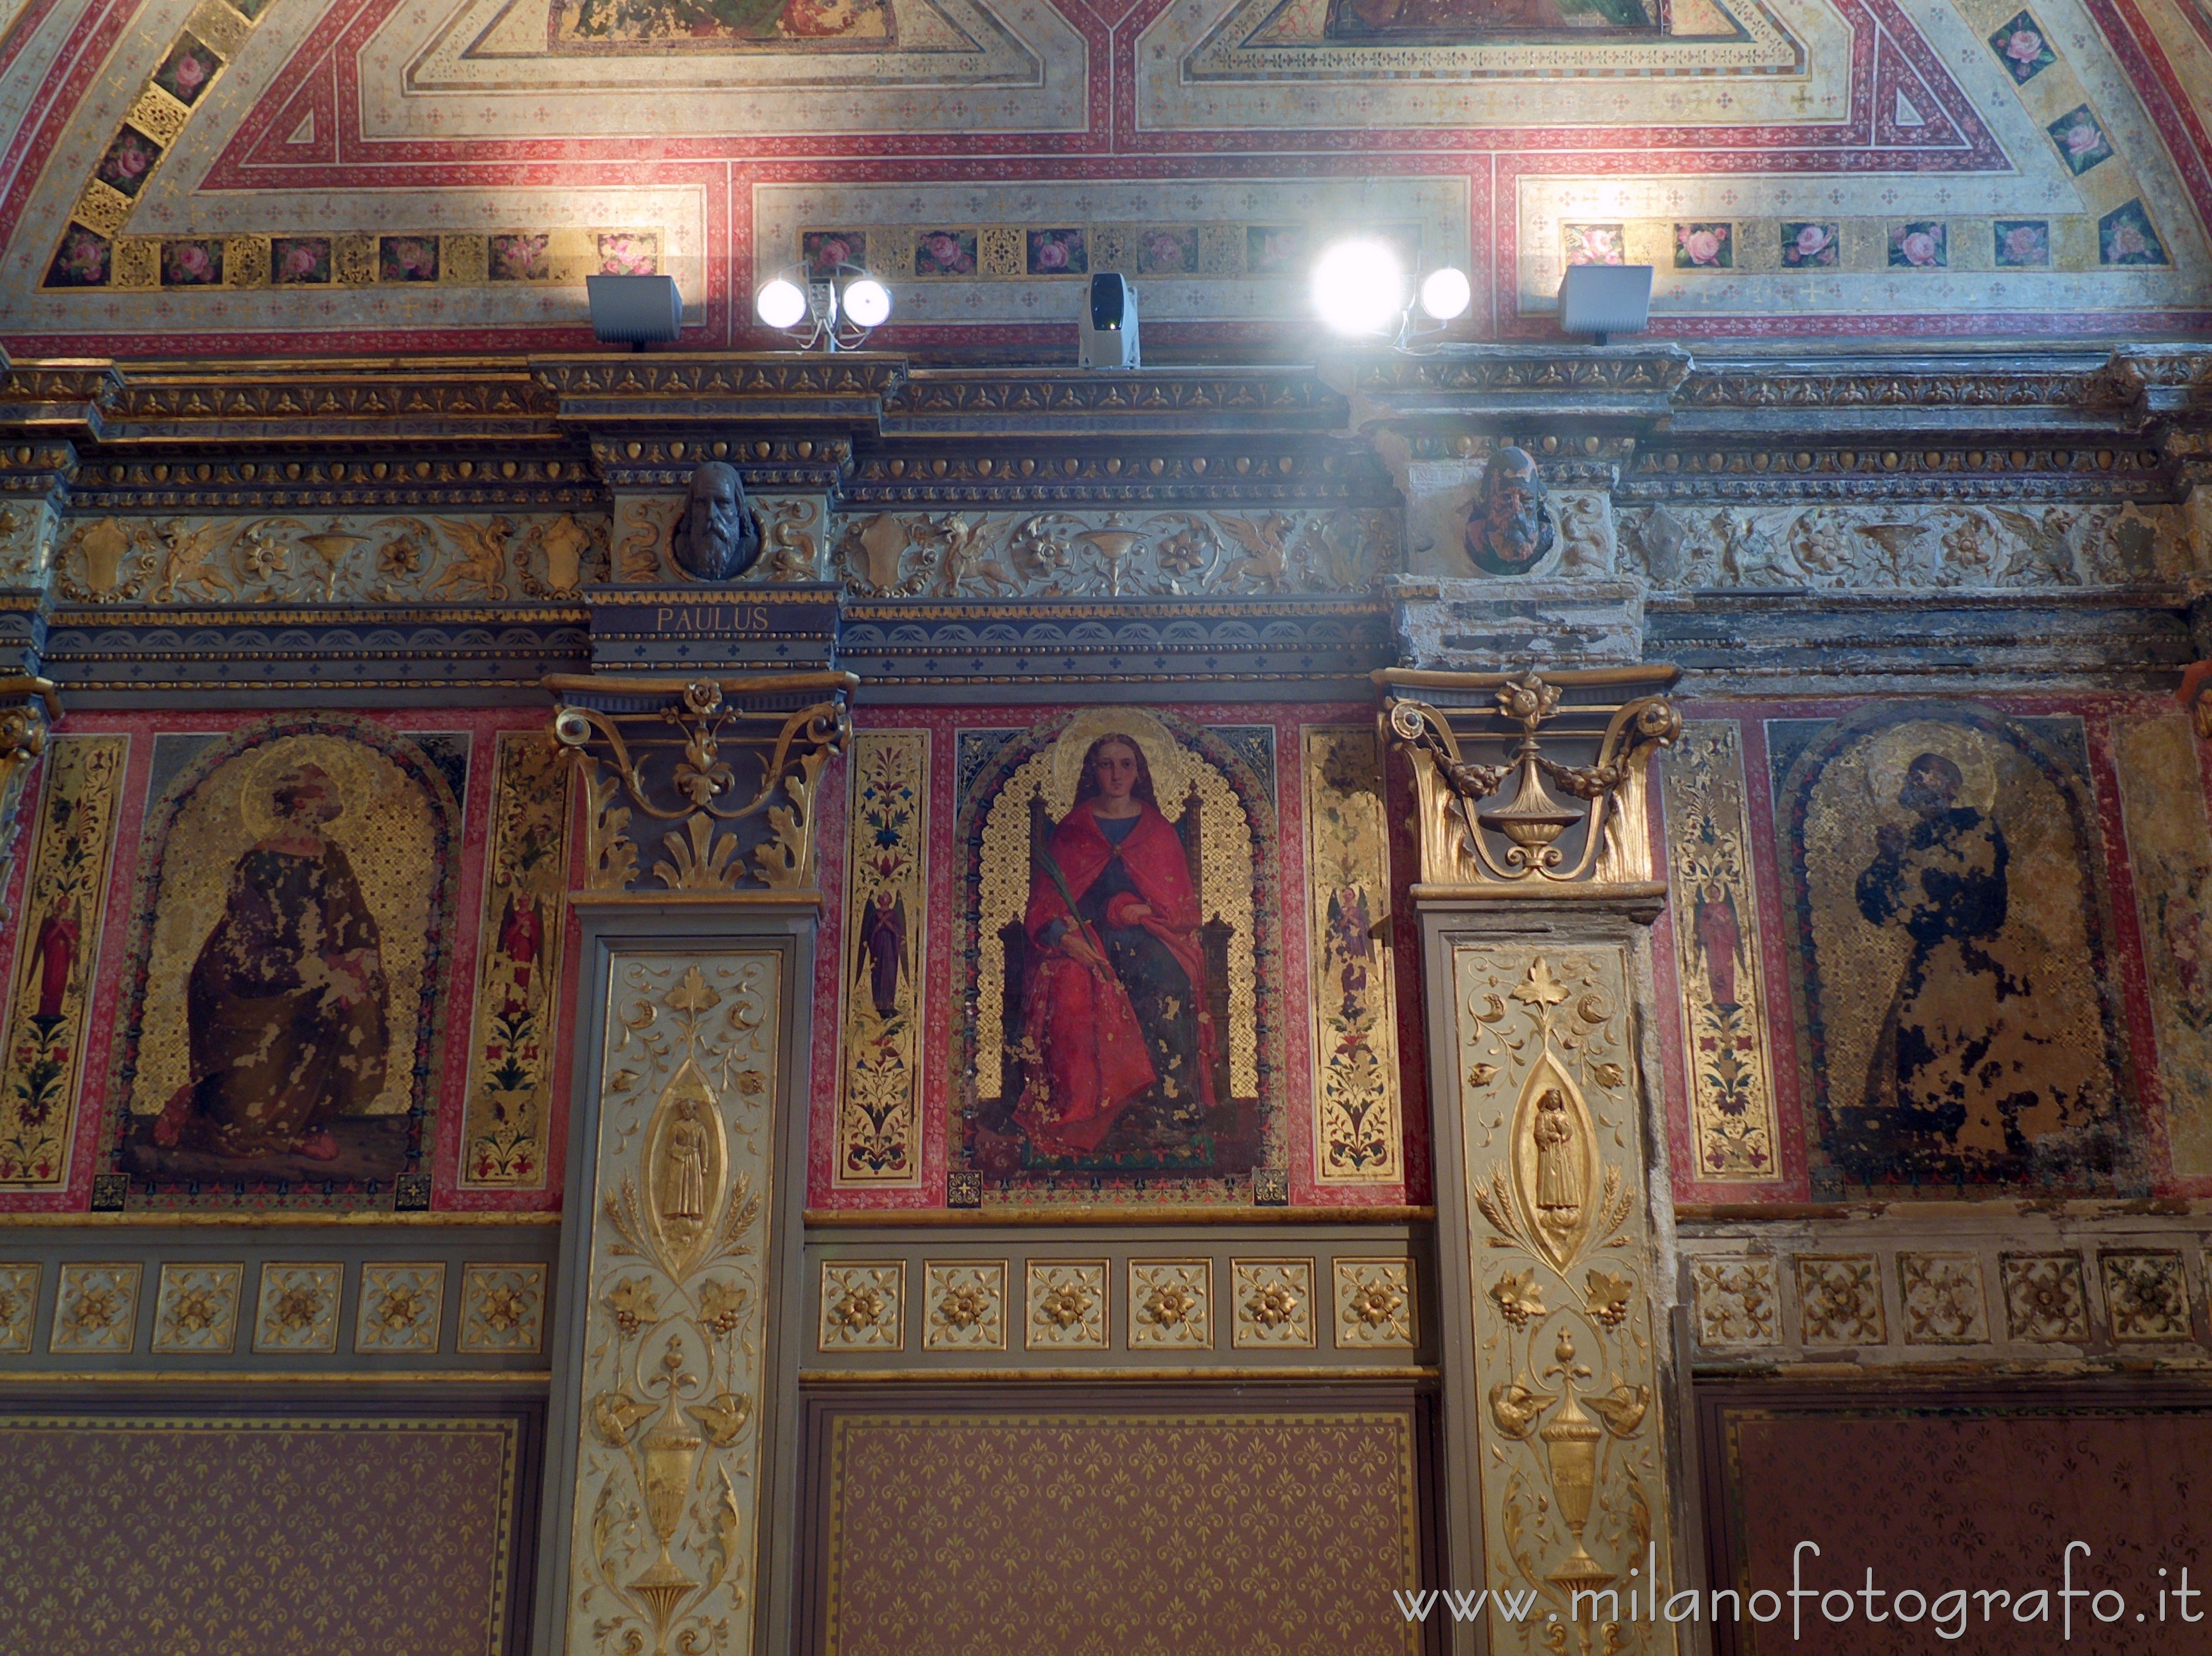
(780, 303)
(1359, 287)
(1445, 294)
(868, 302)
(834, 307)
(1605, 299)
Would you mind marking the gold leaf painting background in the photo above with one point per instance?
(2044, 932)
(389, 834)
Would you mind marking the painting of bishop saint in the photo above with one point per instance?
(1120, 891)
(294, 908)
(1953, 926)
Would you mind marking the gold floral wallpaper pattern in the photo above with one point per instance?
(1065, 1535)
(258, 1536)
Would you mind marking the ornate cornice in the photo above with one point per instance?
(36, 396)
(781, 386)
(1036, 473)
(1485, 371)
(1077, 402)
(324, 394)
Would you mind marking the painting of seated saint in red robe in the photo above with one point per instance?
(1121, 1045)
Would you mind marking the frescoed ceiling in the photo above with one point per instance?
(225, 175)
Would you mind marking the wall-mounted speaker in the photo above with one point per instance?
(1603, 299)
(1108, 323)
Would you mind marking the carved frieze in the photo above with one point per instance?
(1906, 547)
(1083, 554)
(324, 559)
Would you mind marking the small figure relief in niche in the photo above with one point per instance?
(687, 1159)
(1510, 529)
(1352, 941)
(718, 537)
(1959, 1013)
(1558, 1165)
(291, 932)
(1115, 1018)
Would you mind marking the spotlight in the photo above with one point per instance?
(781, 304)
(1602, 299)
(1445, 293)
(633, 310)
(868, 302)
(835, 309)
(1359, 287)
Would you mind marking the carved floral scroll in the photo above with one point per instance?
(1561, 804)
(700, 786)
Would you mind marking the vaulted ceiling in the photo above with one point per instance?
(238, 175)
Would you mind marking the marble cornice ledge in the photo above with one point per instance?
(243, 402)
(1076, 402)
(1636, 383)
(47, 396)
(599, 388)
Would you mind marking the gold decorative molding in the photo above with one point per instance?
(1489, 826)
(732, 764)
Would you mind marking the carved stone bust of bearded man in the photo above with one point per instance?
(1509, 531)
(716, 538)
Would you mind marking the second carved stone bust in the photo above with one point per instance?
(1509, 530)
(717, 539)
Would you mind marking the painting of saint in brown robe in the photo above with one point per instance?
(285, 1009)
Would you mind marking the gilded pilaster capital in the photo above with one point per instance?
(729, 765)
(1532, 786)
